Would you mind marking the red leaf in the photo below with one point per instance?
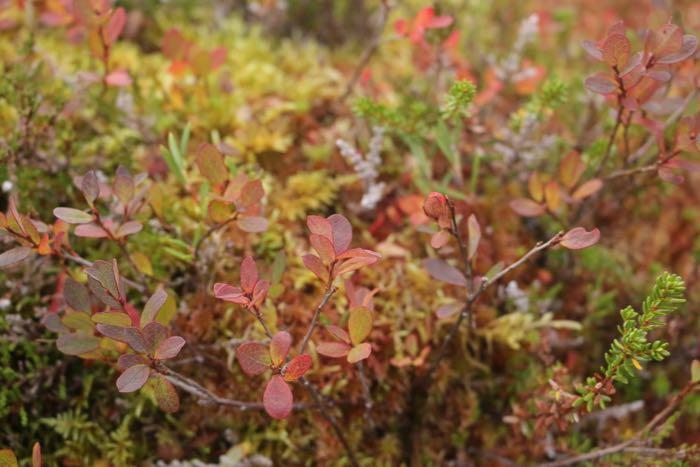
(342, 232)
(442, 271)
(297, 367)
(527, 207)
(133, 378)
(592, 48)
(90, 231)
(323, 246)
(688, 48)
(253, 357)
(278, 399)
(314, 263)
(169, 348)
(260, 292)
(153, 306)
(229, 293)
(320, 226)
(154, 333)
(249, 274)
(114, 27)
(577, 238)
(616, 50)
(333, 349)
(279, 347)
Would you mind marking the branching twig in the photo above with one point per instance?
(637, 438)
(369, 51)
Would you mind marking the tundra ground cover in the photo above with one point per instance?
(349, 233)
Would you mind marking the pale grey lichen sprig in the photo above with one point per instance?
(366, 167)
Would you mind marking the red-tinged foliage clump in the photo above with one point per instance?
(382, 232)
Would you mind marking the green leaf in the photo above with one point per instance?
(359, 324)
(78, 320)
(77, 343)
(73, 216)
(165, 394)
(695, 371)
(115, 318)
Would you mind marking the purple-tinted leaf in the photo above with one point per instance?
(14, 256)
(73, 216)
(600, 84)
(592, 49)
(90, 186)
(130, 359)
(249, 274)
(133, 378)
(320, 226)
(154, 333)
(577, 238)
(278, 399)
(153, 306)
(323, 246)
(690, 45)
(76, 295)
(342, 232)
(439, 239)
(448, 310)
(169, 348)
(253, 357)
(130, 336)
(338, 333)
(123, 186)
(442, 271)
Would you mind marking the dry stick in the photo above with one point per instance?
(639, 436)
(369, 51)
(669, 121)
(330, 290)
(84, 262)
(209, 233)
(611, 141)
(367, 394)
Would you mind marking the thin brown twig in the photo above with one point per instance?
(638, 437)
(369, 51)
(367, 394)
(330, 290)
(209, 233)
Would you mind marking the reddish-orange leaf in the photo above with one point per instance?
(279, 347)
(320, 226)
(314, 263)
(278, 399)
(323, 246)
(249, 274)
(253, 357)
(587, 189)
(333, 349)
(297, 367)
(338, 333)
(527, 207)
(342, 232)
(577, 238)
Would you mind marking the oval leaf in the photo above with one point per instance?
(278, 399)
(297, 367)
(14, 256)
(578, 238)
(73, 216)
(359, 352)
(133, 378)
(253, 357)
(359, 324)
(169, 348)
(442, 271)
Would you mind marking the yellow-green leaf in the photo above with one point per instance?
(359, 324)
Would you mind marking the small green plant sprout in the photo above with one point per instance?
(459, 96)
(628, 352)
(255, 359)
(350, 344)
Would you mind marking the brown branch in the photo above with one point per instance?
(637, 438)
(369, 51)
(367, 394)
(209, 233)
(330, 290)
